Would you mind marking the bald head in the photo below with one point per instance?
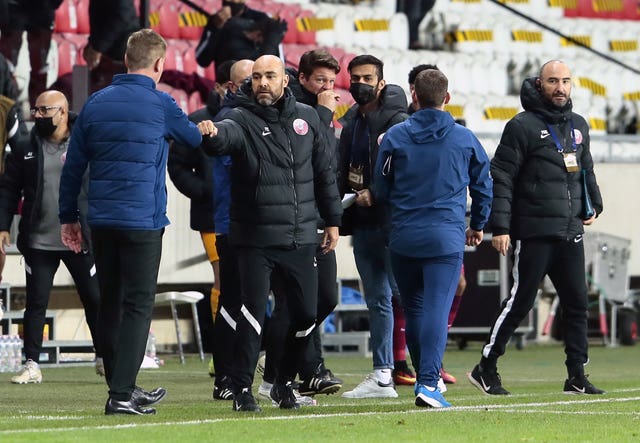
(268, 79)
(241, 70)
(554, 82)
(52, 116)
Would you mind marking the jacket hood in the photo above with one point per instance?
(533, 101)
(284, 107)
(428, 125)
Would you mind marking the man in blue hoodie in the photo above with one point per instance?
(425, 166)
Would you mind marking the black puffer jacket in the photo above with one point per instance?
(280, 171)
(24, 177)
(533, 194)
(392, 110)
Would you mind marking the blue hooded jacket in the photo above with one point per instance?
(122, 133)
(425, 166)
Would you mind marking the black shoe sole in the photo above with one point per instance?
(327, 391)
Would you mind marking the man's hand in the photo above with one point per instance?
(589, 221)
(71, 235)
(474, 238)
(206, 127)
(220, 18)
(364, 198)
(91, 56)
(501, 243)
(4, 241)
(330, 239)
(329, 99)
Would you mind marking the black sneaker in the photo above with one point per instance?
(245, 402)
(222, 389)
(320, 384)
(283, 395)
(488, 382)
(580, 385)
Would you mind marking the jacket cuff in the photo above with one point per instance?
(499, 231)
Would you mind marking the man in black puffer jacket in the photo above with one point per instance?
(281, 172)
(539, 204)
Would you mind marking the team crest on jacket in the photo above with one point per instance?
(63, 157)
(300, 126)
(577, 135)
(380, 137)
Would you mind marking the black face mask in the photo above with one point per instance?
(45, 127)
(236, 8)
(362, 93)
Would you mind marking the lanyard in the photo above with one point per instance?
(556, 140)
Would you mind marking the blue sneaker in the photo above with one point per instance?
(427, 398)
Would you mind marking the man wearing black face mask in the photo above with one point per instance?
(239, 32)
(378, 107)
(33, 170)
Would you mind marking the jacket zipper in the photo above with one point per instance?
(293, 185)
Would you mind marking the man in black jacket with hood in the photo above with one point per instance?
(539, 205)
(281, 172)
(33, 170)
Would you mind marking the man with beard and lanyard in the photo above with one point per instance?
(280, 173)
(538, 205)
(378, 107)
(313, 86)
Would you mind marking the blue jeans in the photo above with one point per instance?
(374, 266)
(427, 287)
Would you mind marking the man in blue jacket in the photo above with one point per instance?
(425, 166)
(122, 136)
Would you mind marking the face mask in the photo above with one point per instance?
(236, 8)
(44, 126)
(362, 93)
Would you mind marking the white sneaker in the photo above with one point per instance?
(261, 362)
(100, 366)
(442, 387)
(372, 388)
(29, 373)
(264, 390)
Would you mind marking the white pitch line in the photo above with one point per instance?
(510, 408)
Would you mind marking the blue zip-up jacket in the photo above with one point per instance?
(425, 166)
(122, 134)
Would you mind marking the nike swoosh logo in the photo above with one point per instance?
(580, 390)
(266, 133)
(484, 386)
(544, 135)
(578, 239)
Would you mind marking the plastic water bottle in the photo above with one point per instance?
(151, 345)
(16, 348)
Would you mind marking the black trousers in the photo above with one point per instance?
(127, 262)
(280, 319)
(229, 304)
(41, 266)
(563, 261)
(296, 268)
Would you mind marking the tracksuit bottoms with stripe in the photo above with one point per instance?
(563, 260)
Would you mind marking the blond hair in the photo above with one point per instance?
(144, 47)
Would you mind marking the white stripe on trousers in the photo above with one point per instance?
(230, 321)
(251, 319)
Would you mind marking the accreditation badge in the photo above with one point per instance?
(571, 162)
(356, 177)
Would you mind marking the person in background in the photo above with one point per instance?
(117, 141)
(378, 107)
(237, 32)
(415, 11)
(36, 18)
(281, 175)
(429, 232)
(33, 169)
(538, 206)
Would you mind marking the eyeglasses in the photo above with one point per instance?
(44, 110)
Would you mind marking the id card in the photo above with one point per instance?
(571, 162)
(356, 177)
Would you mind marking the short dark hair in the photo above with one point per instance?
(417, 70)
(431, 88)
(223, 72)
(367, 59)
(317, 58)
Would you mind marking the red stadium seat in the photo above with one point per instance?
(189, 63)
(169, 23)
(181, 98)
(195, 102)
(305, 37)
(343, 80)
(173, 59)
(67, 55)
(191, 23)
(82, 11)
(289, 13)
(66, 19)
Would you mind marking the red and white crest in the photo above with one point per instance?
(300, 126)
(578, 136)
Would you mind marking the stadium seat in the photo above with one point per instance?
(290, 13)
(66, 19)
(398, 36)
(343, 80)
(82, 11)
(195, 102)
(181, 98)
(191, 23)
(169, 22)
(67, 55)
(306, 36)
(173, 59)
